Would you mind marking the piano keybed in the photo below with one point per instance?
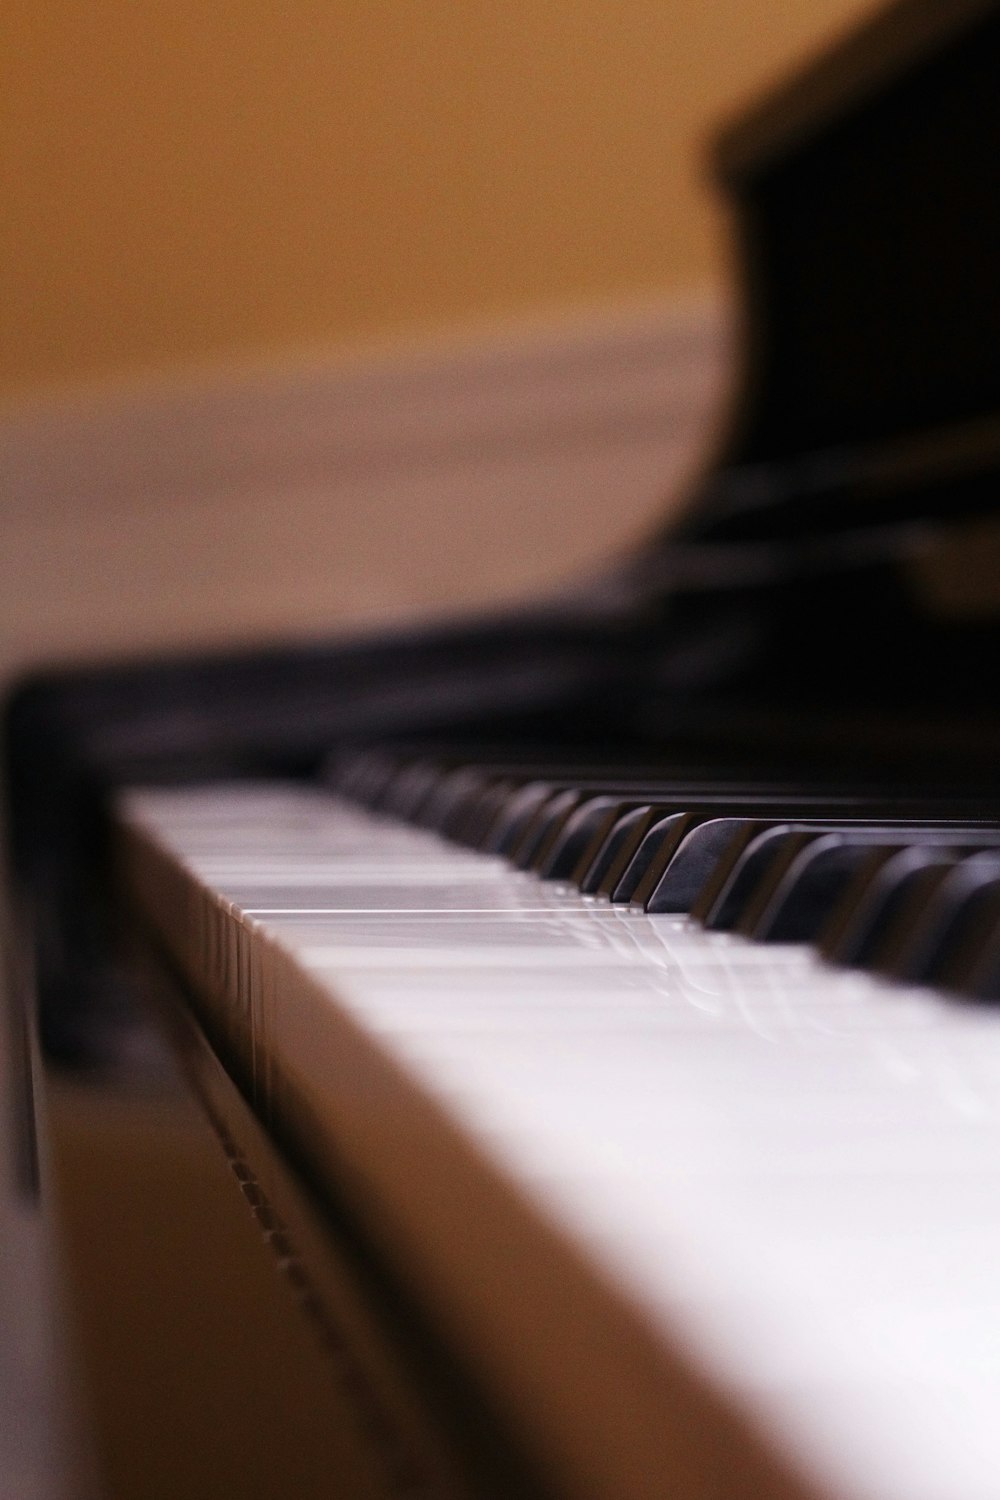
(706, 1209)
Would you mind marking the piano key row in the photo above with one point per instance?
(907, 886)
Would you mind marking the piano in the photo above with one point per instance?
(597, 1005)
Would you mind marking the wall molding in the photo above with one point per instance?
(570, 383)
(299, 496)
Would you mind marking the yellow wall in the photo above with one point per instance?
(199, 181)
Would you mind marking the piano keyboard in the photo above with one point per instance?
(708, 1216)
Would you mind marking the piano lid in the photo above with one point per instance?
(867, 207)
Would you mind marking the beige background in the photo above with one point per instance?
(195, 182)
(318, 314)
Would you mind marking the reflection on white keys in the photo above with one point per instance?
(789, 1178)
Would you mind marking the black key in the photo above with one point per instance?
(533, 847)
(516, 817)
(453, 785)
(873, 900)
(470, 823)
(785, 848)
(376, 773)
(718, 904)
(346, 772)
(654, 853)
(581, 837)
(970, 936)
(981, 978)
(410, 789)
(694, 860)
(611, 860)
(935, 921)
(742, 833)
(889, 953)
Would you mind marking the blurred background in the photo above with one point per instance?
(190, 183)
(319, 314)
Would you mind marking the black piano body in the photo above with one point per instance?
(826, 611)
